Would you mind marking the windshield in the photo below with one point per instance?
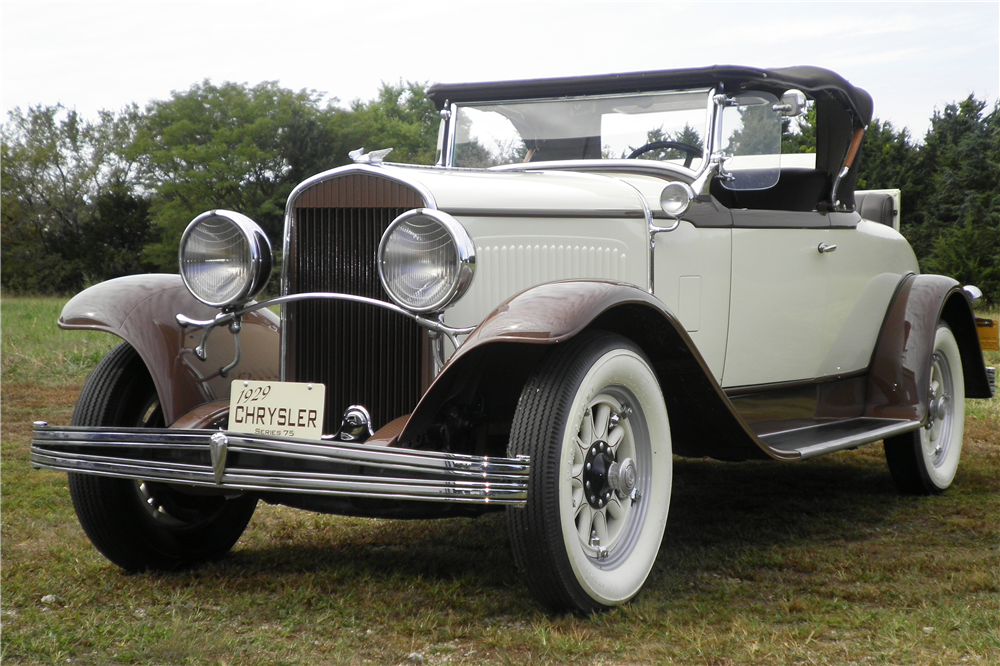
(660, 126)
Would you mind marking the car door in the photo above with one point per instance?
(778, 297)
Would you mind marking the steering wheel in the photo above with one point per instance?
(691, 151)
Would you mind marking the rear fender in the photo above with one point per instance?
(899, 380)
(141, 309)
(498, 356)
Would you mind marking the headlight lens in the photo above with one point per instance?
(225, 258)
(426, 260)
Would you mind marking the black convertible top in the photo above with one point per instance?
(816, 82)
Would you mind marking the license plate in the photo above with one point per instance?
(283, 409)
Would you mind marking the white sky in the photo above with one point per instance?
(912, 57)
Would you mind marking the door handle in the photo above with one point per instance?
(824, 248)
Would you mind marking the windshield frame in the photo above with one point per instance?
(449, 131)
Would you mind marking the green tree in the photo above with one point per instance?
(887, 159)
(58, 173)
(798, 135)
(969, 249)
(758, 132)
(954, 185)
(400, 117)
(227, 146)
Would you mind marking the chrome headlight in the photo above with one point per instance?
(426, 260)
(225, 258)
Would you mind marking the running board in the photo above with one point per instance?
(817, 440)
(237, 461)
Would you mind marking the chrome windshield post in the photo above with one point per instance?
(713, 166)
(446, 135)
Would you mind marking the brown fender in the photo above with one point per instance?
(498, 356)
(140, 309)
(899, 380)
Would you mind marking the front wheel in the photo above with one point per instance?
(593, 420)
(924, 461)
(142, 525)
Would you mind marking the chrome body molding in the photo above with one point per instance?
(648, 167)
(651, 231)
(241, 462)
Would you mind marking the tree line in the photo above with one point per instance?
(85, 200)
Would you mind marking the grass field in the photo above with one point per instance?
(762, 563)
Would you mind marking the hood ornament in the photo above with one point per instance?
(374, 157)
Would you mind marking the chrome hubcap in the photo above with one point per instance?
(937, 435)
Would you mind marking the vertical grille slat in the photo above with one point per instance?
(363, 354)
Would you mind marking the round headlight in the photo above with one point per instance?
(225, 258)
(676, 198)
(426, 260)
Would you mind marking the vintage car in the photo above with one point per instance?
(599, 273)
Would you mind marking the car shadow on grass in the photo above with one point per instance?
(719, 513)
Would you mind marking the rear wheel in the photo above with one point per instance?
(593, 420)
(141, 525)
(925, 460)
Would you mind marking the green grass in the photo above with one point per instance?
(763, 563)
(35, 350)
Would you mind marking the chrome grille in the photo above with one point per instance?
(363, 354)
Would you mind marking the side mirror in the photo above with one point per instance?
(793, 104)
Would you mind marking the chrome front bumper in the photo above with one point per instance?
(241, 462)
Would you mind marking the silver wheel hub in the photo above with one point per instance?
(605, 478)
(937, 433)
(622, 477)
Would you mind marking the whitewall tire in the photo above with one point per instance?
(925, 460)
(593, 420)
